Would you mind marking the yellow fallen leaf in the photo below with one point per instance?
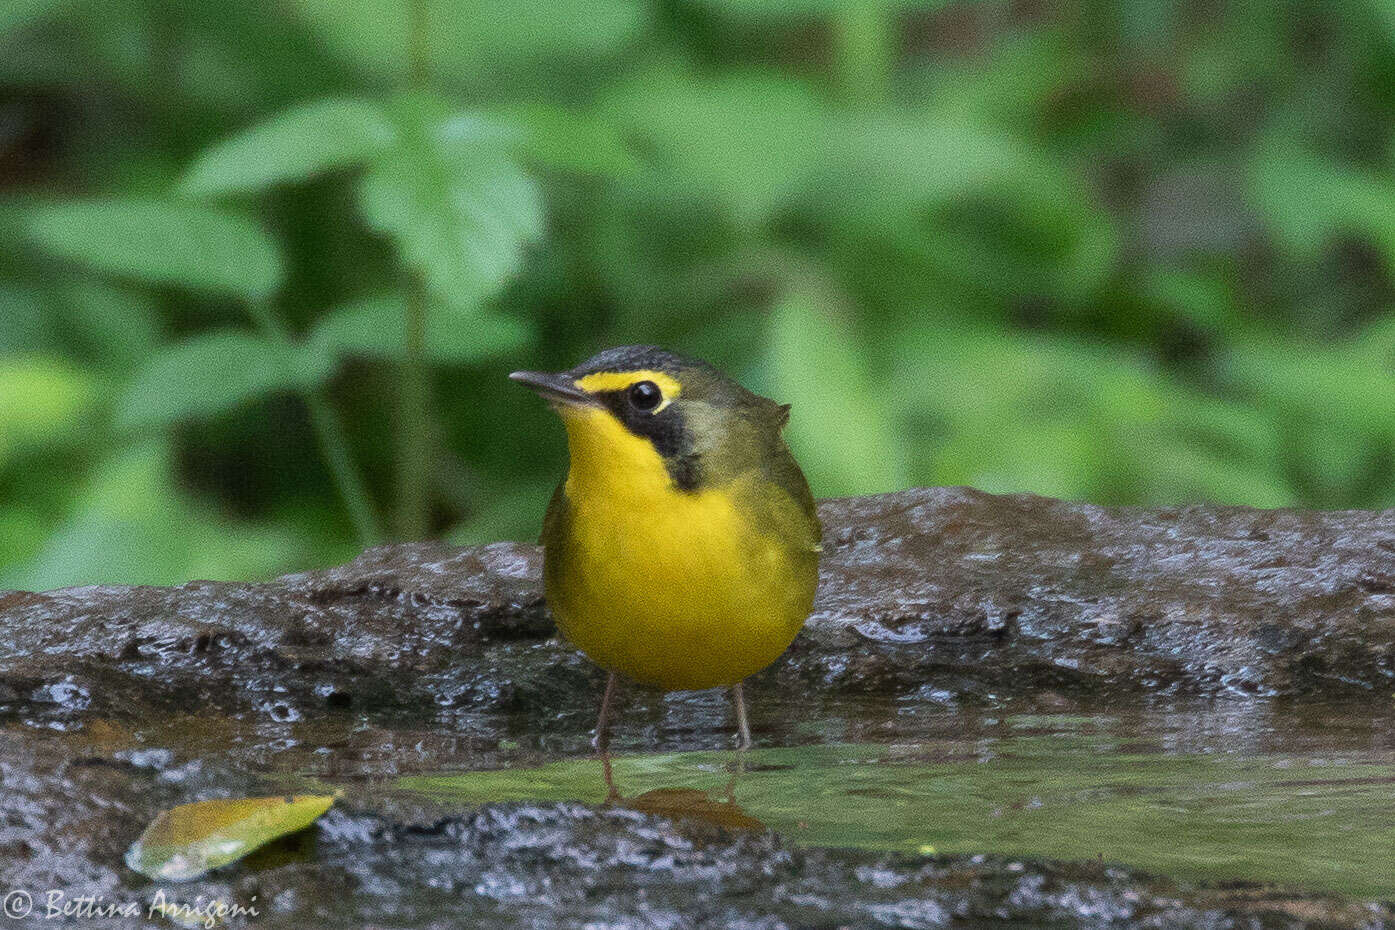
(185, 842)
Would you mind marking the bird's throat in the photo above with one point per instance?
(607, 460)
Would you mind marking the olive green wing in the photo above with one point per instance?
(556, 530)
(783, 500)
(557, 516)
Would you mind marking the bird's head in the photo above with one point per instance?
(641, 414)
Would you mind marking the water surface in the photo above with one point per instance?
(1301, 793)
(1320, 815)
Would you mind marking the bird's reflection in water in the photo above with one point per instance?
(692, 804)
(717, 808)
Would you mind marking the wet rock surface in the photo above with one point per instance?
(555, 865)
(935, 604)
(67, 819)
(950, 587)
(1018, 591)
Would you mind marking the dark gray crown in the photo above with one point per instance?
(632, 358)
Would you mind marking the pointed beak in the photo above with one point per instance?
(555, 388)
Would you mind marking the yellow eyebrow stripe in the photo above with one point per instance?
(619, 380)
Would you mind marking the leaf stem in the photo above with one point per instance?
(418, 66)
(414, 456)
(864, 37)
(329, 430)
(414, 453)
(333, 442)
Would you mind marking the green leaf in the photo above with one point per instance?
(1385, 12)
(458, 207)
(161, 242)
(751, 140)
(777, 10)
(26, 320)
(924, 158)
(816, 362)
(1001, 213)
(1182, 472)
(554, 137)
(1294, 190)
(513, 511)
(1204, 300)
(1008, 411)
(473, 40)
(215, 372)
(111, 328)
(374, 328)
(131, 523)
(187, 841)
(1335, 383)
(781, 11)
(16, 14)
(45, 399)
(304, 141)
(1308, 200)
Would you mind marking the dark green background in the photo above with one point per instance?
(1132, 253)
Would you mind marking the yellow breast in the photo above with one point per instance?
(670, 588)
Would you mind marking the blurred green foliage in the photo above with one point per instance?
(264, 266)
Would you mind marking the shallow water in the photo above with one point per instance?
(1304, 805)
(1298, 793)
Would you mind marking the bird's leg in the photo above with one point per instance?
(743, 730)
(601, 741)
(612, 793)
(602, 738)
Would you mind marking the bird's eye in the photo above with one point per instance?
(645, 395)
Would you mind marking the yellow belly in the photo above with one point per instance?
(677, 590)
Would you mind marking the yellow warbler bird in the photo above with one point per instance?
(681, 550)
